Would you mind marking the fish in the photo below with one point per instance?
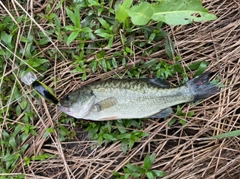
(115, 99)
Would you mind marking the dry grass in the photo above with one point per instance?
(182, 151)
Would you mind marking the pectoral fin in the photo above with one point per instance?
(164, 113)
(106, 103)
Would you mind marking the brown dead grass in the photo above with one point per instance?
(184, 152)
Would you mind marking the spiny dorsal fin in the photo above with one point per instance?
(158, 82)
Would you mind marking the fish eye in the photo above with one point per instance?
(67, 97)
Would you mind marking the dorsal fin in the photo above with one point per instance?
(158, 82)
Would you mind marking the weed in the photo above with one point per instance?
(119, 130)
(141, 172)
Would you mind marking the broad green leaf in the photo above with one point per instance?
(93, 3)
(127, 3)
(86, 30)
(25, 39)
(183, 122)
(159, 173)
(148, 161)
(150, 63)
(152, 158)
(43, 41)
(228, 134)
(135, 168)
(74, 16)
(48, 131)
(72, 37)
(70, 28)
(121, 12)
(194, 65)
(170, 123)
(104, 23)
(178, 68)
(141, 14)
(37, 62)
(109, 137)
(180, 12)
(6, 38)
(103, 33)
(149, 175)
(13, 142)
(70, 15)
(202, 67)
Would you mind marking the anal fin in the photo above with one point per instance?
(162, 114)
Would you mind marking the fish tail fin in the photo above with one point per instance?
(201, 87)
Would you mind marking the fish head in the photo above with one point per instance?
(77, 104)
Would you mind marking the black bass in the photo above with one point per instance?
(133, 98)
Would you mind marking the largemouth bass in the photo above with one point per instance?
(133, 98)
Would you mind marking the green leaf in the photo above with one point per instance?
(74, 16)
(70, 15)
(70, 28)
(169, 48)
(228, 134)
(37, 62)
(173, 121)
(159, 173)
(43, 41)
(148, 161)
(180, 12)
(109, 137)
(141, 14)
(93, 3)
(25, 39)
(124, 144)
(178, 68)
(6, 38)
(72, 37)
(202, 67)
(13, 142)
(182, 121)
(135, 168)
(110, 42)
(103, 33)
(121, 12)
(131, 142)
(194, 65)
(149, 175)
(114, 63)
(150, 63)
(104, 23)
(48, 132)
